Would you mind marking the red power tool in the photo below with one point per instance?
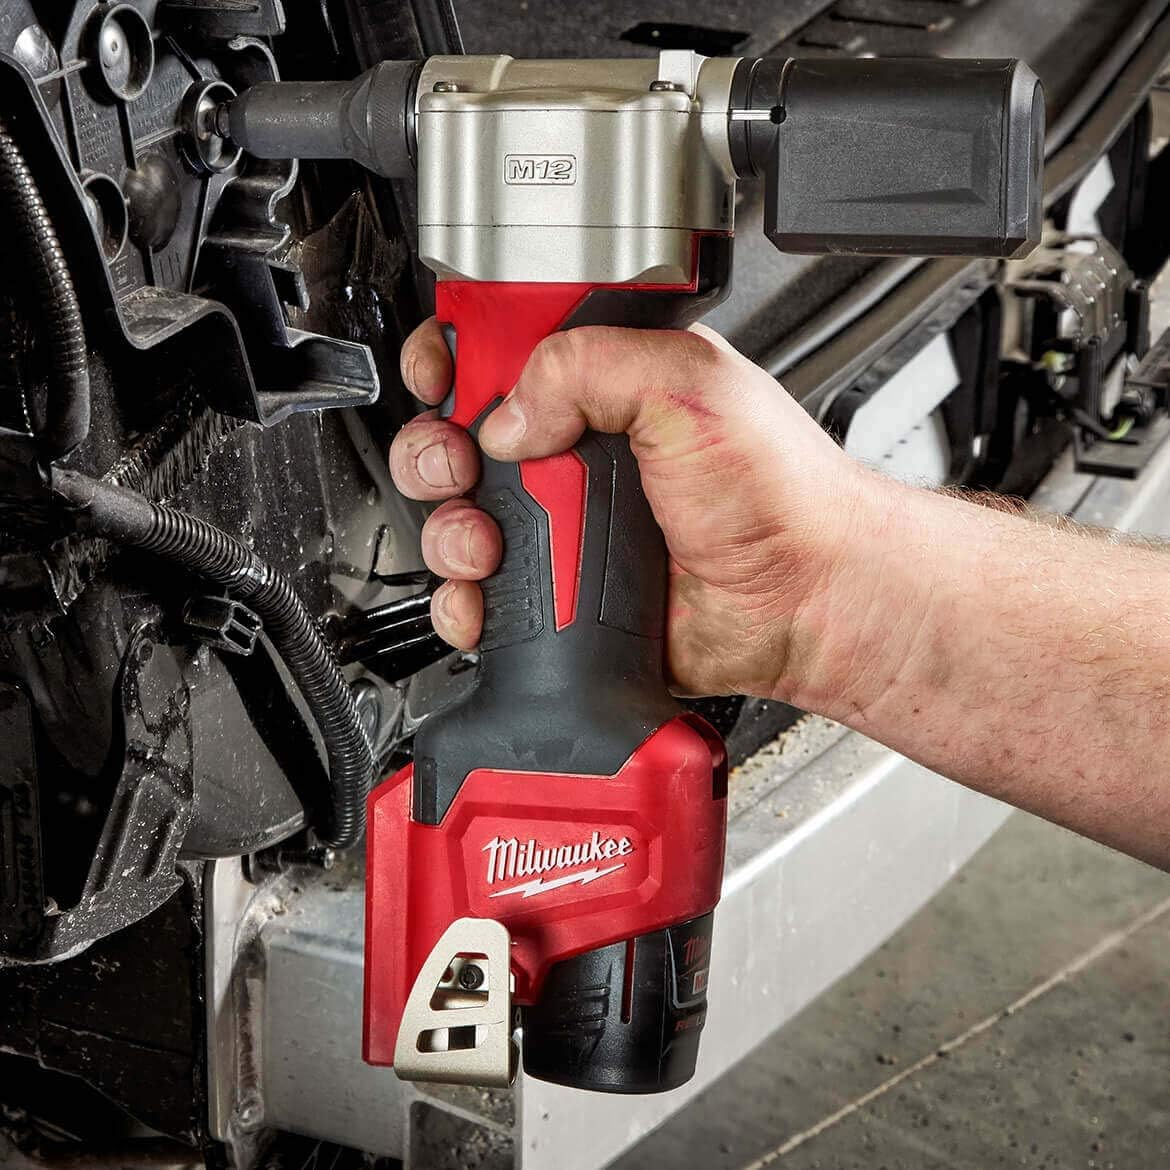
(557, 844)
(569, 797)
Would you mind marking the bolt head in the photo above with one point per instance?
(112, 46)
(445, 87)
(471, 977)
(251, 1114)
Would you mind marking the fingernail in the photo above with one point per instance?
(455, 547)
(434, 466)
(505, 425)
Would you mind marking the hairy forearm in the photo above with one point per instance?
(1029, 660)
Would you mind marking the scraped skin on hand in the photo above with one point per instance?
(1029, 660)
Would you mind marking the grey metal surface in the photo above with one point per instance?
(590, 195)
(310, 1033)
(225, 898)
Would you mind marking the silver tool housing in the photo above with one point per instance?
(611, 189)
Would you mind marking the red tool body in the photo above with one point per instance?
(571, 859)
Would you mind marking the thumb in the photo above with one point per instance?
(655, 384)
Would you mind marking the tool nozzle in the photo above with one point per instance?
(369, 120)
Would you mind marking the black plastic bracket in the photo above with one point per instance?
(1147, 392)
(223, 623)
(22, 889)
(1126, 458)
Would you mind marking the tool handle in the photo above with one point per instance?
(571, 675)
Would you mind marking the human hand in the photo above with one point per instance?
(986, 646)
(756, 502)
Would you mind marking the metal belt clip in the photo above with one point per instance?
(457, 1024)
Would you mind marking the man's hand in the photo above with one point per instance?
(736, 472)
(1028, 660)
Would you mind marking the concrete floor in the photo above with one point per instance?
(1021, 1019)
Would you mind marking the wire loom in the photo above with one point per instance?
(38, 252)
(192, 544)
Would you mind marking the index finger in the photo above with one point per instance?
(426, 363)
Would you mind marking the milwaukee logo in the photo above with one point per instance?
(510, 858)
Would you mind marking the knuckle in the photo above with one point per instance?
(557, 358)
(700, 355)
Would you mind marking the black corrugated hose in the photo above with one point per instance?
(37, 251)
(126, 517)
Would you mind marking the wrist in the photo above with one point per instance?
(870, 598)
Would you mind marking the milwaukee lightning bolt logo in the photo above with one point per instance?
(510, 858)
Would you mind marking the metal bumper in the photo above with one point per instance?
(834, 842)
